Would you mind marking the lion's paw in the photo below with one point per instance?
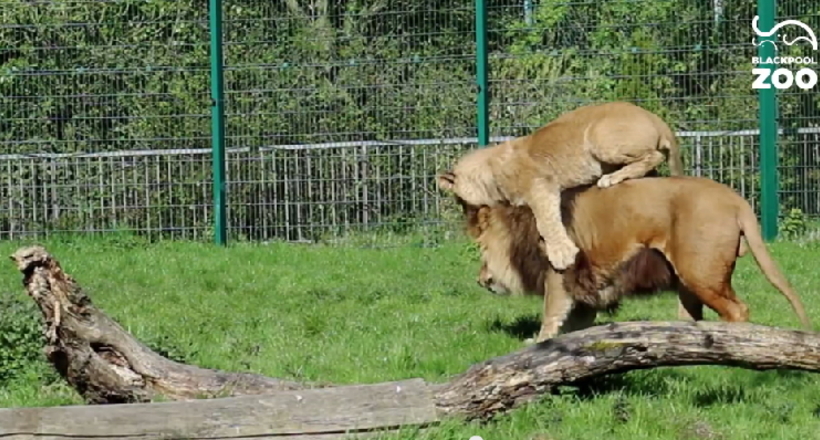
(607, 180)
(562, 255)
(537, 339)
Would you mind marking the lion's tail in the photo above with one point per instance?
(669, 143)
(751, 230)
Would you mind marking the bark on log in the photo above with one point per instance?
(108, 365)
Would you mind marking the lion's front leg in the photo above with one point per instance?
(545, 201)
(558, 303)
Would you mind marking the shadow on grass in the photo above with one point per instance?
(527, 326)
(667, 381)
(721, 395)
(647, 383)
(522, 327)
(791, 377)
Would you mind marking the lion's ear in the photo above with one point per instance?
(483, 216)
(446, 180)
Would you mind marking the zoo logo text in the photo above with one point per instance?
(783, 78)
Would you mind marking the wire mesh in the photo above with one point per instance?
(349, 86)
(340, 112)
(799, 117)
(688, 61)
(86, 87)
(679, 59)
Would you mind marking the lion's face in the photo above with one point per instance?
(496, 273)
(489, 282)
(486, 227)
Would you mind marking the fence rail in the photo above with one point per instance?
(321, 192)
(354, 144)
(338, 113)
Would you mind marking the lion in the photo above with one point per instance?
(610, 142)
(641, 237)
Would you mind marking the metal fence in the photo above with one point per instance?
(339, 113)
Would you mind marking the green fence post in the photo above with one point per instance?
(482, 76)
(767, 99)
(218, 122)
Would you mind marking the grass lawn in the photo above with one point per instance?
(354, 315)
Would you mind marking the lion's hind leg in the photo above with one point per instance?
(636, 166)
(690, 308)
(724, 301)
(708, 276)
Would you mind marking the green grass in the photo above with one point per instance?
(351, 315)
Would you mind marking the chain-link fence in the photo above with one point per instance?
(799, 117)
(340, 112)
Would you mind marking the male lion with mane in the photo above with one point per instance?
(610, 142)
(641, 237)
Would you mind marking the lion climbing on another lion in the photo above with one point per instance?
(642, 236)
(610, 142)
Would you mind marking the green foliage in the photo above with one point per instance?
(21, 337)
(102, 77)
(794, 224)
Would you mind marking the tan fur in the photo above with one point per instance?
(609, 142)
(643, 236)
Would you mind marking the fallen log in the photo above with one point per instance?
(506, 382)
(106, 364)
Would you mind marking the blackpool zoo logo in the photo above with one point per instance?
(782, 77)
